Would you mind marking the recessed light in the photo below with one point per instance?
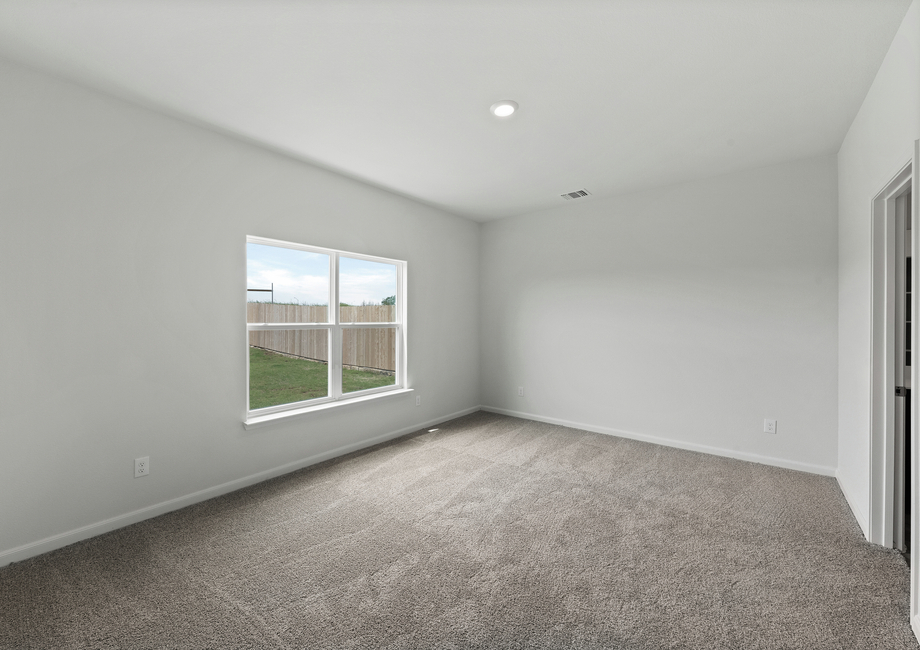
(504, 108)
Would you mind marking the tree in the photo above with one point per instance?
(391, 300)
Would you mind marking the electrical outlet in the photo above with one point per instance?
(418, 400)
(141, 466)
(520, 391)
(769, 426)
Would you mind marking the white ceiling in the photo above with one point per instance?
(615, 95)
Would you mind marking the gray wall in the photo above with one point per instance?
(123, 265)
(878, 144)
(685, 315)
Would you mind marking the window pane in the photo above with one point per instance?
(284, 285)
(368, 358)
(367, 291)
(287, 366)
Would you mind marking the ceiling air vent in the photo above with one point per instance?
(577, 194)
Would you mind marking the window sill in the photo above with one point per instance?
(262, 420)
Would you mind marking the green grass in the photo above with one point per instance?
(276, 379)
(353, 380)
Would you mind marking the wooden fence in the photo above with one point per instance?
(372, 348)
(266, 312)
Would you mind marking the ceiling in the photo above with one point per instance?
(615, 96)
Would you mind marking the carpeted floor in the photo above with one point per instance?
(493, 532)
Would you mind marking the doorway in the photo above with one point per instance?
(894, 462)
(901, 365)
(892, 444)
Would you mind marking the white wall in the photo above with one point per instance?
(878, 144)
(685, 315)
(123, 266)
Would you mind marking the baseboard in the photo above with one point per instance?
(92, 530)
(915, 626)
(679, 444)
(861, 518)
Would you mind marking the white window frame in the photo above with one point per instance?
(335, 327)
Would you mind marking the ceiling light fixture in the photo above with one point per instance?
(504, 108)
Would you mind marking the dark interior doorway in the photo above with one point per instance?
(902, 368)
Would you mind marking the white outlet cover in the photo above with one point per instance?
(141, 466)
(769, 426)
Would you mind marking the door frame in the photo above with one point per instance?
(882, 398)
(914, 372)
(882, 448)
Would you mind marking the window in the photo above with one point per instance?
(323, 326)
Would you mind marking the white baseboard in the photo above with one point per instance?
(679, 444)
(861, 518)
(915, 625)
(32, 549)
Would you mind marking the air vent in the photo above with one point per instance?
(577, 194)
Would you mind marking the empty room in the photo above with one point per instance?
(459, 324)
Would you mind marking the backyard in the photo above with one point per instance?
(280, 379)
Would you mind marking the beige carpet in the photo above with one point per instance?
(493, 532)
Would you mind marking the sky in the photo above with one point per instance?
(303, 277)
